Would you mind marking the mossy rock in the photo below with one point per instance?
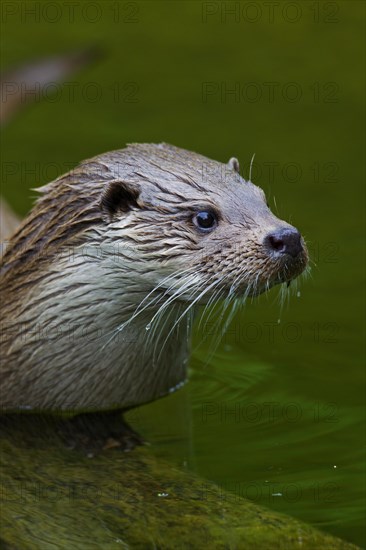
(53, 497)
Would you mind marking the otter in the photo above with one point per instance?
(100, 282)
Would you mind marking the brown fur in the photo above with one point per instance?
(102, 238)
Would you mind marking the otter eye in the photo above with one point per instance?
(205, 220)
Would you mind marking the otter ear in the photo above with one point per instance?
(119, 196)
(234, 164)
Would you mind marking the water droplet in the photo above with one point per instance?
(278, 321)
(298, 294)
(148, 326)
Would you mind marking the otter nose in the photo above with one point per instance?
(285, 241)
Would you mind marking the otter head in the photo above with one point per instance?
(127, 240)
(200, 228)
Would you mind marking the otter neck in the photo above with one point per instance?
(76, 322)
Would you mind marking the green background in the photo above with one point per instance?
(276, 413)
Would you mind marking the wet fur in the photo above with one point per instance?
(99, 284)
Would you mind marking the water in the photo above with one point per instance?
(277, 414)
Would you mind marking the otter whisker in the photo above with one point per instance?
(211, 300)
(154, 323)
(178, 293)
(162, 283)
(221, 328)
(157, 339)
(208, 311)
(250, 168)
(188, 308)
(212, 312)
(140, 310)
(207, 289)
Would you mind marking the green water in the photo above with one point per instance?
(276, 414)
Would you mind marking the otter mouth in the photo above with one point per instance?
(275, 262)
(277, 269)
(284, 270)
